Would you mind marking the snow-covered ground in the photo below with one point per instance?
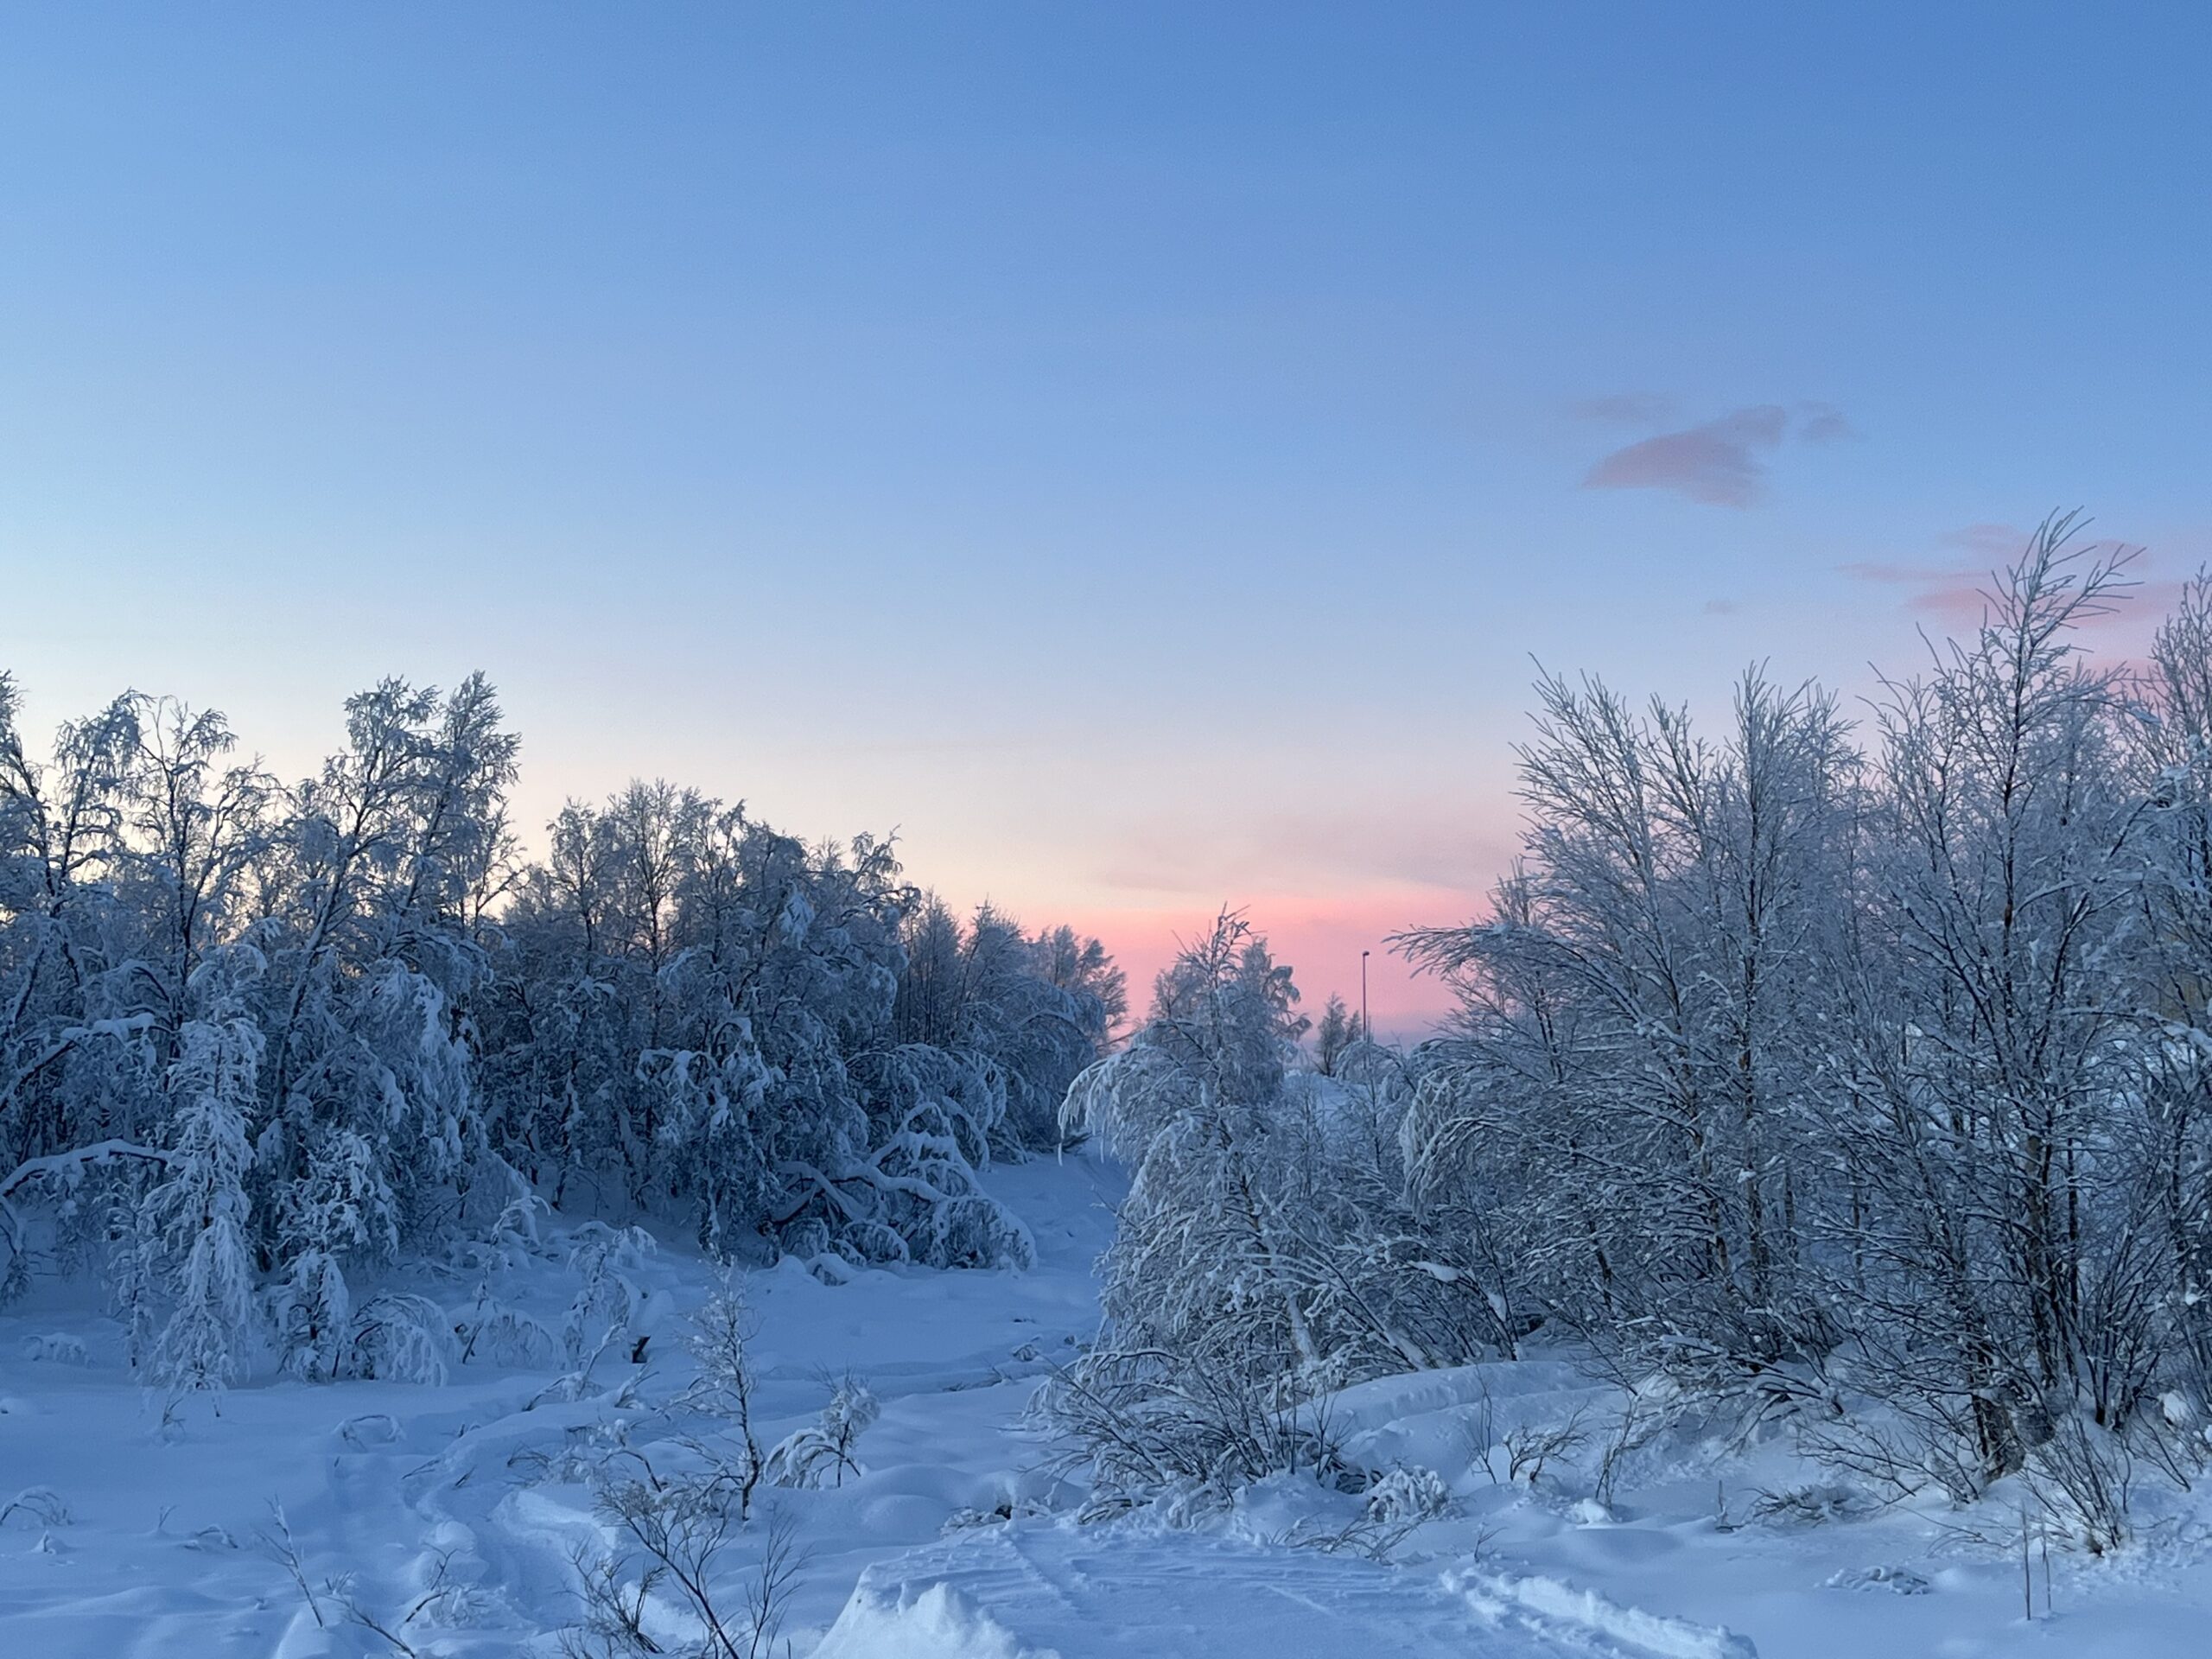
(451, 1513)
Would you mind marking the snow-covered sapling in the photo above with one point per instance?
(821, 1454)
(196, 1220)
(718, 1342)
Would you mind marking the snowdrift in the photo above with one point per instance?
(1056, 1592)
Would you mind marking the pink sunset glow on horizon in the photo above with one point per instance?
(1320, 941)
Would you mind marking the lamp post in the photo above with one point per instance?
(1365, 1035)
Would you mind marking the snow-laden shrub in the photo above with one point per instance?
(719, 1024)
(368, 1430)
(916, 1195)
(607, 1300)
(1143, 1424)
(513, 1241)
(821, 1454)
(40, 1505)
(313, 1313)
(1809, 1504)
(496, 1334)
(1881, 1578)
(399, 1338)
(1407, 1495)
(54, 1348)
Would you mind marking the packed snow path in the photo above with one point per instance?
(451, 1514)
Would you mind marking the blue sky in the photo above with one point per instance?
(1134, 451)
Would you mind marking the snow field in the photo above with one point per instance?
(453, 1513)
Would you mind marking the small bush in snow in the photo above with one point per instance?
(821, 1454)
(39, 1503)
(1407, 1494)
(372, 1428)
(607, 1298)
(1808, 1505)
(54, 1348)
(499, 1335)
(1891, 1581)
(399, 1338)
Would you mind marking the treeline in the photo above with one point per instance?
(260, 1041)
(1855, 1076)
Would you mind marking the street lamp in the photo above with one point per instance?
(1365, 1035)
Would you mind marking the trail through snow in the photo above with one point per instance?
(164, 1550)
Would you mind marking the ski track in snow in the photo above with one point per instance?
(160, 1554)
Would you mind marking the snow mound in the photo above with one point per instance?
(1063, 1592)
(889, 1618)
(1435, 1418)
(1595, 1620)
(1896, 1580)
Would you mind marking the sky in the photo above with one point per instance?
(1138, 452)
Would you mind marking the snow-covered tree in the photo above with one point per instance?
(1638, 1047)
(1267, 1251)
(1338, 1029)
(696, 1015)
(1809, 1071)
(196, 1218)
(1205, 1306)
(1030, 1013)
(679, 1012)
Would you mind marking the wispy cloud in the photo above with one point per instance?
(1960, 592)
(1721, 463)
(1957, 592)
(1823, 424)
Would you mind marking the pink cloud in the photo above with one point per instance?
(1964, 602)
(1720, 462)
(1960, 594)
